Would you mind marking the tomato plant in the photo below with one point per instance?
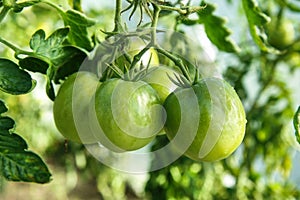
(125, 45)
(129, 114)
(71, 105)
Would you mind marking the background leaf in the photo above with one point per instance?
(216, 30)
(256, 20)
(6, 123)
(23, 166)
(16, 162)
(78, 24)
(13, 80)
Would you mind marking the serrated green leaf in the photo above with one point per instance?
(37, 39)
(254, 14)
(297, 124)
(216, 30)
(50, 47)
(24, 166)
(79, 24)
(11, 142)
(64, 59)
(256, 19)
(13, 80)
(3, 107)
(34, 65)
(69, 62)
(6, 123)
(66, 55)
(18, 164)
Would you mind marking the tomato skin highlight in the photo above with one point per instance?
(215, 139)
(129, 114)
(69, 98)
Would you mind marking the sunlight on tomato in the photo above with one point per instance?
(129, 114)
(69, 98)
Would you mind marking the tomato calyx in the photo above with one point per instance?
(186, 82)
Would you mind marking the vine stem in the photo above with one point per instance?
(59, 9)
(18, 51)
(118, 19)
(137, 58)
(156, 11)
(3, 13)
(183, 11)
(177, 61)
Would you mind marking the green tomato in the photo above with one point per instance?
(210, 115)
(159, 79)
(129, 114)
(136, 45)
(281, 34)
(71, 106)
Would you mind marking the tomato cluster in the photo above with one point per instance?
(125, 115)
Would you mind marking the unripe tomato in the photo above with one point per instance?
(129, 114)
(217, 117)
(158, 78)
(151, 55)
(282, 34)
(70, 98)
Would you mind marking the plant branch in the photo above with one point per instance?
(177, 61)
(183, 10)
(3, 13)
(118, 19)
(59, 9)
(156, 11)
(16, 49)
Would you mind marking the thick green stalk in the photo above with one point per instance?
(118, 20)
(3, 13)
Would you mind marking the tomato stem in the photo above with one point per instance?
(184, 10)
(154, 23)
(118, 20)
(3, 13)
(178, 62)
